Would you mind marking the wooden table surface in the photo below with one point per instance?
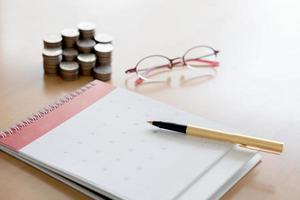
(255, 91)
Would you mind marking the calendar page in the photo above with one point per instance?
(110, 147)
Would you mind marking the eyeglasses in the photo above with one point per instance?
(153, 68)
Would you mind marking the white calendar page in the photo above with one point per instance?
(111, 148)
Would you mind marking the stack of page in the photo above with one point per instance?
(98, 141)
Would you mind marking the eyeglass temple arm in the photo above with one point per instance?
(212, 63)
(131, 70)
(140, 79)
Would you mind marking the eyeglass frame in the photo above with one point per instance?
(172, 63)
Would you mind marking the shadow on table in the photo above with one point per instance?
(184, 81)
(53, 84)
(31, 176)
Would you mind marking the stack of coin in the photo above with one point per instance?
(103, 53)
(69, 71)
(69, 54)
(103, 38)
(102, 73)
(52, 41)
(52, 58)
(86, 63)
(70, 36)
(82, 51)
(87, 30)
(86, 45)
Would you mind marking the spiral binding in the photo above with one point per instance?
(43, 112)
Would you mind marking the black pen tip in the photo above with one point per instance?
(150, 122)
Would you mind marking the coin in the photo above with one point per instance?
(69, 54)
(53, 38)
(87, 30)
(87, 35)
(86, 63)
(86, 45)
(102, 73)
(103, 69)
(52, 52)
(69, 43)
(69, 70)
(52, 61)
(103, 48)
(101, 62)
(86, 58)
(50, 69)
(69, 66)
(70, 77)
(86, 26)
(103, 52)
(103, 55)
(86, 71)
(104, 59)
(52, 41)
(70, 33)
(103, 38)
(70, 36)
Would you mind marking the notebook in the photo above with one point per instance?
(96, 139)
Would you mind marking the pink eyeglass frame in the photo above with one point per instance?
(172, 63)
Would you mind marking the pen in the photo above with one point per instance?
(243, 140)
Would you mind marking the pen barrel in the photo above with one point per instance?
(244, 140)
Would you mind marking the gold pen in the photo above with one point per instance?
(244, 140)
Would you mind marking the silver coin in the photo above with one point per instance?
(50, 67)
(53, 39)
(102, 77)
(91, 32)
(87, 43)
(69, 76)
(87, 66)
(69, 43)
(104, 64)
(103, 38)
(70, 32)
(52, 58)
(102, 70)
(89, 57)
(86, 72)
(52, 61)
(86, 26)
(69, 66)
(87, 33)
(103, 54)
(104, 58)
(103, 48)
(52, 52)
(50, 71)
(70, 52)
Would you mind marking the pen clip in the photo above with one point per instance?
(258, 149)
